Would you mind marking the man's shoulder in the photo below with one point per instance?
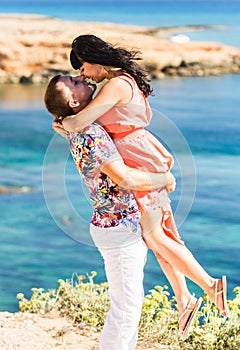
(93, 145)
(95, 129)
(94, 136)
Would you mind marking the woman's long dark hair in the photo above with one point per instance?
(91, 49)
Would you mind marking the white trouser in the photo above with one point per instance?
(124, 254)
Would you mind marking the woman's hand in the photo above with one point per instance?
(171, 185)
(58, 127)
(67, 123)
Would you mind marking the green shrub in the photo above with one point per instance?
(87, 303)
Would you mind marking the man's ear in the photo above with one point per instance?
(73, 103)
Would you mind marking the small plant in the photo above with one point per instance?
(78, 298)
(87, 303)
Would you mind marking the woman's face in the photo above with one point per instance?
(93, 71)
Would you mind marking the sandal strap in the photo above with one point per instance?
(217, 292)
(187, 309)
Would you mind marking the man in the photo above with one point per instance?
(115, 225)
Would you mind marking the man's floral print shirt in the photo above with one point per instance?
(112, 204)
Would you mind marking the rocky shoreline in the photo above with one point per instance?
(34, 48)
(11, 189)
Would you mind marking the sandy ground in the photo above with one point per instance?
(26, 331)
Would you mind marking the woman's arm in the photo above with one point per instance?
(113, 92)
(134, 179)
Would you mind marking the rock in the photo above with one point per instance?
(15, 189)
(33, 48)
(25, 80)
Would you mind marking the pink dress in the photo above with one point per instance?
(140, 149)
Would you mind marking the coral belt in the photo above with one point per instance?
(129, 134)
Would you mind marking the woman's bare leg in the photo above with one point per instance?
(182, 260)
(178, 283)
(176, 279)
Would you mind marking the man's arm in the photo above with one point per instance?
(129, 178)
(134, 179)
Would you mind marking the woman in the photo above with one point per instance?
(122, 108)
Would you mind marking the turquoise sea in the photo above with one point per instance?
(197, 118)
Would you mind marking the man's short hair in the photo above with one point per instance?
(55, 101)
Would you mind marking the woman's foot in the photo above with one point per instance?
(188, 315)
(218, 295)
